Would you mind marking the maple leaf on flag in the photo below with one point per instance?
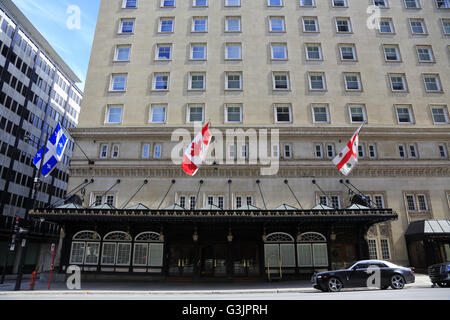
(196, 148)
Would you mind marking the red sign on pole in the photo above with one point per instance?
(51, 267)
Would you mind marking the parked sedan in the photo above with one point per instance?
(367, 273)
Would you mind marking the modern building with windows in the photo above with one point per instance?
(314, 71)
(37, 90)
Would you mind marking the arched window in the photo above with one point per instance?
(85, 248)
(279, 250)
(312, 250)
(148, 250)
(116, 249)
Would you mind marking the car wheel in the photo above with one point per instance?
(397, 282)
(443, 284)
(334, 285)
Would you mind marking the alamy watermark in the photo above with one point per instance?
(74, 20)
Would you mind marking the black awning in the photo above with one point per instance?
(428, 228)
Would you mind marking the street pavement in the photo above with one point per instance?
(286, 290)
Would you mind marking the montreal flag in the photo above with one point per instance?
(196, 152)
(346, 160)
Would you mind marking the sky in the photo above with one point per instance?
(69, 27)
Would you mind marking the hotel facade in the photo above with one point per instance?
(312, 71)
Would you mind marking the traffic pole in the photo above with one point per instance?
(51, 267)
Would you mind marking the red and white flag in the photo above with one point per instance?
(196, 152)
(348, 157)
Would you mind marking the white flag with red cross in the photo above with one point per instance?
(196, 152)
(346, 160)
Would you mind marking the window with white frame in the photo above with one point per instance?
(196, 113)
(404, 114)
(187, 201)
(343, 25)
(398, 82)
(283, 113)
(352, 82)
(233, 113)
(215, 200)
(278, 51)
(413, 151)
(116, 249)
(313, 51)
(104, 151)
(123, 53)
(199, 24)
(412, 4)
(158, 114)
(417, 26)
(198, 51)
(279, 251)
(317, 81)
(148, 250)
(416, 202)
(85, 248)
(348, 52)
(381, 3)
(200, 3)
(287, 151)
(312, 250)
(330, 150)
(391, 53)
(446, 26)
(331, 200)
(197, 81)
(307, 3)
(432, 83)
(130, 4)
(443, 151)
(242, 201)
(115, 151)
(233, 81)
(357, 113)
(157, 151)
(318, 151)
(385, 250)
(233, 51)
(320, 114)
(274, 3)
(310, 24)
(126, 26)
(166, 25)
(372, 151)
(373, 250)
(425, 54)
(361, 150)
(443, 4)
(276, 24)
(114, 114)
(280, 81)
(145, 154)
(161, 82)
(233, 24)
(118, 82)
(386, 26)
(164, 52)
(339, 3)
(440, 114)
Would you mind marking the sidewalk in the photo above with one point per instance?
(422, 281)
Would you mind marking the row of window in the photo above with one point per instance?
(284, 151)
(283, 113)
(278, 52)
(281, 82)
(409, 4)
(276, 24)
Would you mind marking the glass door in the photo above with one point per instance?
(213, 261)
(181, 260)
(245, 260)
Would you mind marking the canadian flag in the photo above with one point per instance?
(348, 157)
(196, 152)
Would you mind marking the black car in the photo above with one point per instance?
(367, 273)
(440, 274)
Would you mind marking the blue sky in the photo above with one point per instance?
(73, 44)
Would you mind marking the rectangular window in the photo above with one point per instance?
(343, 25)
(278, 51)
(362, 150)
(330, 150)
(200, 3)
(372, 249)
(372, 151)
(103, 155)
(280, 81)
(310, 24)
(425, 53)
(123, 254)
(168, 3)
(118, 82)
(109, 253)
(158, 114)
(352, 82)
(446, 26)
(348, 52)
(198, 51)
(157, 151)
(318, 151)
(391, 53)
(287, 150)
(115, 151)
(276, 24)
(404, 115)
(385, 252)
(161, 82)
(77, 253)
(412, 4)
(233, 81)
(233, 113)
(320, 114)
(166, 25)
(232, 3)
(164, 52)
(411, 202)
(443, 151)
(339, 3)
(317, 81)
(307, 3)
(233, 51)
(422, 201)
(313, 52)
(357, 113)
(114, 115)
(417, 26)
(123, 53)
(199, 24)
(432, 83)
(283, 113)
(402, 151)
(197, 81)
(398, 82)
(440, 114)
(413, 151)
(130, 4)
(275, 3)
(92, 253)
(380, 3)
(443, 4)
(386, 26)
(127, 26)
(195, 114)
(233, 24)
(145, 151)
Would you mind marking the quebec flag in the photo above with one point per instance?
(54, 151)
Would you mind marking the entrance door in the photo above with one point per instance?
(342, 255)
(213, 261)
(245, 260)
(181, 260)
